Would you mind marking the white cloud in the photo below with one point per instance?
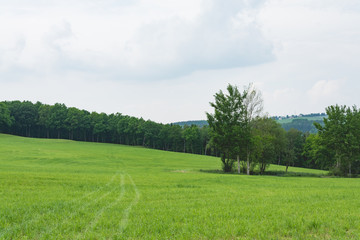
(10, 54)
(324, 88)
(165, 42)
(220, 38)
(282, 94)
(58, 37)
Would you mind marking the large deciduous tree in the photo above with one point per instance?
(227, 124)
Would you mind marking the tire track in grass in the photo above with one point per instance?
(102, 187)
(38, 215)
(83, 207)
(99, 213)
(125, 217)
(125, 214)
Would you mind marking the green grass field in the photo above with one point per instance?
(57, 189)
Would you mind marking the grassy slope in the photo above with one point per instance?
(74, 190)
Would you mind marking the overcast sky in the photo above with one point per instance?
(165, 59)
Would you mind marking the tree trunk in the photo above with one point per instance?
(350, 169)
(338, 160)
(238, 162)
(248, 163)
(223, 159)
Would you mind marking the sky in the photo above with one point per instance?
(164, 60)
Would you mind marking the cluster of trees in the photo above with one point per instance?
(241, 133)
(58, 121)
(336, 146)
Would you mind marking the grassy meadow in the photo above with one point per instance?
(60, 189)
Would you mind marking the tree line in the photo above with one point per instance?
(58, 121)
(242, 133)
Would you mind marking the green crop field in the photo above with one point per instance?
(57, 189)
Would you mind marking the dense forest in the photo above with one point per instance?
(271, 144)
(58, 121)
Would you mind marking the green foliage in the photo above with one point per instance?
(294, 148)
(73, 121)
(315, 154)
(25, 116)
(44, 118)
(266, 141)
(191, 137)
(5, 118)
(340, 138)
(57, 119)
(227, 124)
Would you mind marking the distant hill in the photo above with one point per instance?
(302, 122)
(310, 117)
(199, 123)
